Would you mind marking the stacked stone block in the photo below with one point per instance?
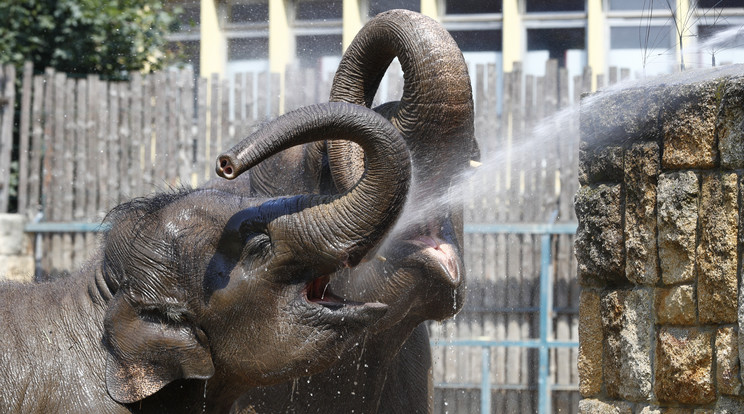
(659, 249)
(16, 249)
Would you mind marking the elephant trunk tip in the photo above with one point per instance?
(225, 167)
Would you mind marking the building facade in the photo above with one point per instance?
(649, 37)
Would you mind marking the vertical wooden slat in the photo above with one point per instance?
(125, 144)
(564, 144)
(92, 169)
(185, 121)
(226, 138)
(114, 147)
(250, 105)
(275, 100)
(7, 79)
(81, 168)
(37, 148)
(160, 126)
(103, 154)
(201, 167)
(149, 142)
(214, 117)
(137, 153)
(66, 185)
(47, 170)
(262, 96)
(613, 75)
(24, 150)
(171, 138)
(56, 197)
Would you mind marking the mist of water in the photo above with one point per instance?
(527, 153)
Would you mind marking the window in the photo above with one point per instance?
(646, 50)
(311, 48)
(554, 5)
(318, 10)
(378, 6)
(477, 40)
(248, 48)
(642, 5)
(556, 41)
(248, 11)
(720, 4)
(640, 37)
(472, 6)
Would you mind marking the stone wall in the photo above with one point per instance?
(16, 249)
(658, 248)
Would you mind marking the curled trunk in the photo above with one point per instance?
(435, 113)
(345, 227)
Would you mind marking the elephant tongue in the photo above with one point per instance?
(318, 292)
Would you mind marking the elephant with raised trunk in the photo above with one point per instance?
(419, 270)
(198, 295)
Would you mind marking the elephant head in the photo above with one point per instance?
(211, 284)
(435, 117)
(418, 272)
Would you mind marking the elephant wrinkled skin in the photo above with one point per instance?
(418, 272)
(196, 296)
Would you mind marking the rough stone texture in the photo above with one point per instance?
(683, 366)
(729, 405)
(740, 308)
(12, 239)
(628, 332)
(641, 172)
(599, 238)
(17, 268)
(620, 116)
(730, 124)
(675, 305)
(602, 164)
(727, 362)
(666, 410)
(590, 344)
(677, 209)
(600, 407)
(16, 252)
(717, 249)
(688, 126)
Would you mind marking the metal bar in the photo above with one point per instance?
(529, 343)
(485, 380)
(501, 387)
(68, 227)
(546, 299)
(521, 228)
(504, 309)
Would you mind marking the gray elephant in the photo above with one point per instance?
(419, 271)
(197, 295)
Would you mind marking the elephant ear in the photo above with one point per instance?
(147, 352)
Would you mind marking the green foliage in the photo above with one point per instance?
(108, 37)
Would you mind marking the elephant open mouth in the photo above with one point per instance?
(317, 291)
(338, 310)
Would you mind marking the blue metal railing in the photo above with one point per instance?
(543, 343)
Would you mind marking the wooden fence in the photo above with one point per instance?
(86, 145)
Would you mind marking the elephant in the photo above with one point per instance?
(418, 271)
(197, 295)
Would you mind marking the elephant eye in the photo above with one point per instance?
(255, 241)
